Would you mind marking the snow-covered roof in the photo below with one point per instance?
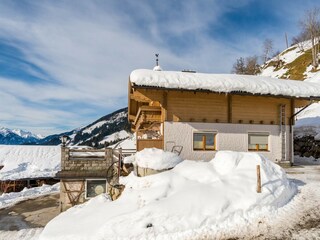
(225, 83)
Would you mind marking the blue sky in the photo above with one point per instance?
(63, 64)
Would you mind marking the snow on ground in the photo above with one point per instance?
(23, 234)
(310, 117)
(224, 83)
(306, 160)
(115, 136)
(287, 56)
(10, 199)
(193, 199)
(129, 143)
(94, 126)
(29, 161)
(271, 72)
(156, 159)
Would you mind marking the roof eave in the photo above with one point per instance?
(315, 98)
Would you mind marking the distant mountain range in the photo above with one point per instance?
(17, 136)
(108, 130)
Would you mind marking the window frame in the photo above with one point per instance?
(93, 179)
(267, 134)
(204, 149)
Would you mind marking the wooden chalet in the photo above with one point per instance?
(205, 113)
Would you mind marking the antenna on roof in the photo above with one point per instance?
(157, 67)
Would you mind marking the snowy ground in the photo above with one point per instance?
(23, 234)
(32, 210)
(297, 220)
(10, 199)
(195, 200)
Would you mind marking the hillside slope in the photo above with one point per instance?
(295, 63)
(108, 129)
(292, 63)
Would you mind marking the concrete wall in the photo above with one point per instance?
(229, 137)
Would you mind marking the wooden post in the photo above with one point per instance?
(119, 163)
(229, 108)
(204, 140)
(258, 179)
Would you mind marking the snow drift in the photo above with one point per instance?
(156, 159)
(179, 203)
(29, 161)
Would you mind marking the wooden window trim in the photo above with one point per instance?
(257, 149)
(204, 141)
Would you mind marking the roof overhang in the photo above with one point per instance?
(311, 98)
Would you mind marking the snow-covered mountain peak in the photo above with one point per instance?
(17, 136)
(26, 134)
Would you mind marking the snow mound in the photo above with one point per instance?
(156, 159)
(225, 162)
(193, 198)
(29, 161)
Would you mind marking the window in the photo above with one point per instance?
(258, 141)
(204, 141)
(95, 187)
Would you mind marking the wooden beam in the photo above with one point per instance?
(243, 93)
(137, 96)
(229, 108)
(165, 105)
(292, 102)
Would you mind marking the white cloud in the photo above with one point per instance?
(87, 50)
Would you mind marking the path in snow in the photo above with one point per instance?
(26, 219)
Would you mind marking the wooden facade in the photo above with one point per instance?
(148, 105)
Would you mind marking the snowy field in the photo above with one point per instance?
(29, 161)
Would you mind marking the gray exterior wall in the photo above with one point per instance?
(229, 137)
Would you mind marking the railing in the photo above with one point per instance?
(86, 154)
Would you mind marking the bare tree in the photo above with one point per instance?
(276, 57)
(239, 66)
(300, 40)
(267, 49)
(310, 24)
(248, 66)
(252, 65)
